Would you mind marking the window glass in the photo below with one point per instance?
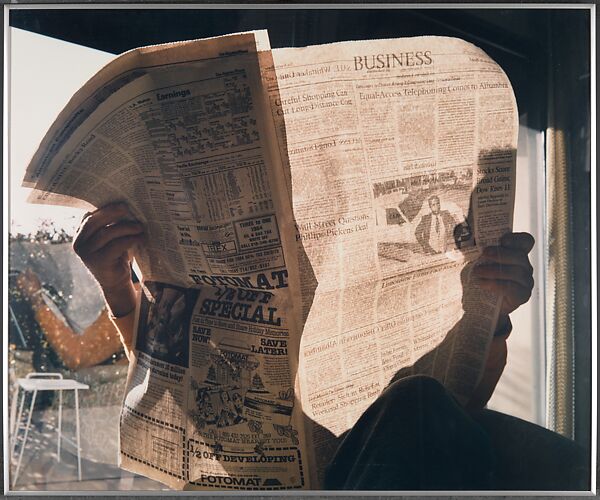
(40, 244)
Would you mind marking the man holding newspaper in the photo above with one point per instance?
(415, 435)
(253, 195)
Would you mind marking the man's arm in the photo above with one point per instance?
(494, 367)
(125, 326)
(104, 242)
(506, 270)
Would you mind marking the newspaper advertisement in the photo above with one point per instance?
(311, 215)
(212, 399)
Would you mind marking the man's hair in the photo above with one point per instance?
(433, 197)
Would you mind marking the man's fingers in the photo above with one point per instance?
(508, 257)
(117, 247)
(106, 234)
(518, 241)
(515, 293)
(83, 220)
(515, 273)
(94, 221)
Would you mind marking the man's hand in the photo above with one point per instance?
(104, 242)
(506, 270)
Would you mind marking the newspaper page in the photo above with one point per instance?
(185, 136)
(401, 169)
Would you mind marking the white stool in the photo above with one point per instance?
(33, 383)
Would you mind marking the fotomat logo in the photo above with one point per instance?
(230, 481)
(403, 59)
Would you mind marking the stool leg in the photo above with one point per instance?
(59, 422)
(77, 430)
(25, 438)
(18, 421)
(14, 404)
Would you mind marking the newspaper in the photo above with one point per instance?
(312, 215)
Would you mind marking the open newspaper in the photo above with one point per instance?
(311, 218)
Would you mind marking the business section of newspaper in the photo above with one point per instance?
(401, 159)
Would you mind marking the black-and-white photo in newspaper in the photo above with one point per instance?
(423, 215)
(164, 323)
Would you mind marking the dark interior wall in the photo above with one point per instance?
(122, 29)
(514, 38)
